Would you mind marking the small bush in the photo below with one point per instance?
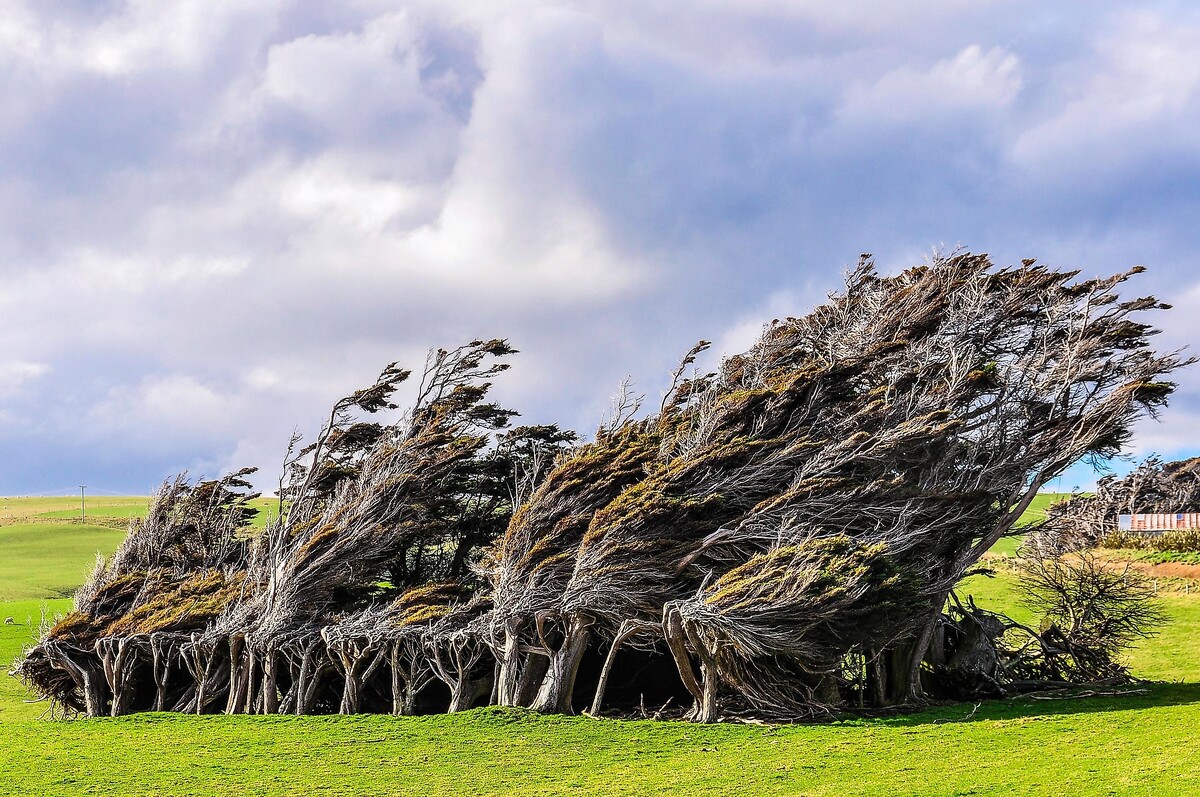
(1090, 615)
(1182, 540)
(1120, 539)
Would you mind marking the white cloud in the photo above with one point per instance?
(217, 217)
(16, 374)
(974, 80)
(1139, 91)
(176, 404)
(327, 77)
(328, 190)
(746, 330)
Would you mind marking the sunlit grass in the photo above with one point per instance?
(1136, 745)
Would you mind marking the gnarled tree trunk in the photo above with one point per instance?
(554, 697)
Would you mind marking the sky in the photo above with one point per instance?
(218, 216)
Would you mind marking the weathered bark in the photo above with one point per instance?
(605, 670)
(707, 709)
(532, 675)
(89, 678)
(94, 693)
(462, 694)
(218, 680)
(509, 678)
(411, 672)
(708, 700)
(676, 643)
(876, 679)
(357, 662)
(455, 668)
(912, 690)
(207, 669)
(116, 655)
(400, 696)
(898, 667)
(975, 655)
(238, 674)
(626, 630)
(160, 667)
(251, 680)
(554, 697)
(270, 688)
(351, 686)
(313, 667)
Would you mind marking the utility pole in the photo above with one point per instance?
(82, 504)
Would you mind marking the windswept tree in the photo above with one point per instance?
(379, 518)
(916, 415)
(1004, 377)
(395, 520)
(1083, 521)
(784, 533)
(533, 562)
(173, 574)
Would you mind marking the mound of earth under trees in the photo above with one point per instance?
(780, 539)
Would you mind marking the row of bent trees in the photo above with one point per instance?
(779, 539)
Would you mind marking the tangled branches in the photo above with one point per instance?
(781, 537)
(1087, 521)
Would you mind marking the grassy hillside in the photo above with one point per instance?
(114, 511)
(45, 560)
(41, 509)
(1130, 745)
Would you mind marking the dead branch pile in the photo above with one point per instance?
(781, 538)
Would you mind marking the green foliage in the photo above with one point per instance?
(186, 606)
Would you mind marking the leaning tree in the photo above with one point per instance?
(377, 523)
(1084, 520)
(905, 424)
(782, 536)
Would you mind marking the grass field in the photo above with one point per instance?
(1139, 744)
(32, 510)
(107, 510)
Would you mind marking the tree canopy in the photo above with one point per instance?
(781, 537)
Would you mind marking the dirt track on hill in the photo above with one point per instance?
(1156, 570)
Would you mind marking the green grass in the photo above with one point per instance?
(48, 560)
(1037, 509)
(1173, 654)
(28, 510)
(27, 616)
(115, 510)
(1136, 744)
(1101, 746)
(1007, 547)
(119, 512)
(1154, 557)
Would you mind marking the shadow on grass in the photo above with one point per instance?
(1133, 698)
